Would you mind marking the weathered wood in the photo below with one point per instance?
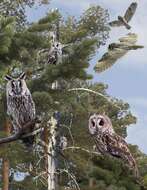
(52, 174)
(46, 140)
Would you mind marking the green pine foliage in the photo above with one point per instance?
(83, 37)
(17, 8)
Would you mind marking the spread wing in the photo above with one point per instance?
(129, 39)
(115, 23)
(116, 51)
(108, 59)
(130, 11)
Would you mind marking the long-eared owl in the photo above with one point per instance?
(20, 105)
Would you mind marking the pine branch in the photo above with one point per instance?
(81, 149)
(19, 134)
(94, 92)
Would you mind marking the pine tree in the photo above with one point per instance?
(82, 39)
(17, 8)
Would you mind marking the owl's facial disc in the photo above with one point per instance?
(16, 87)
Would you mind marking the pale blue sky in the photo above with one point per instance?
(127, 78)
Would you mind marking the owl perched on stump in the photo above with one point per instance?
(20, 105)
(108, 142)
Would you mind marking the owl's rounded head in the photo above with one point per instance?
(100, 124)
(57, 47)
(16, 86)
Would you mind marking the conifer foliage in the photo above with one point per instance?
(78, 164)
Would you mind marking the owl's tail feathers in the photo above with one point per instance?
(28, 141)
(28, 137)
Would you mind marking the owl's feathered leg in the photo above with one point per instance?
(15, 129)
(29, 141)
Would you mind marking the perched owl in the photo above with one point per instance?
(108, 142)
(63, 142)
(123, 21)
(53, 55)
(20, 105)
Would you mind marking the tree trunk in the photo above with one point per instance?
(5, 174)
(5, 162)
(91, 182)
(46, 140)
(52, 174)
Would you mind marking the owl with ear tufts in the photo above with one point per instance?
(108, 142)
(20, 105)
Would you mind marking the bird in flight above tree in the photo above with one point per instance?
(123, 21)
(116, 51)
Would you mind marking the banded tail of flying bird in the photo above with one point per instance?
(107, 142)
(123, 21)
(116, 51)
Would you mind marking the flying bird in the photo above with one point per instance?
(108, 142)
(116, 51)
(123, 21)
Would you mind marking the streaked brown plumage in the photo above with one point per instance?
(108, 142)
(116, 51)
(20, 105)
(123, 21)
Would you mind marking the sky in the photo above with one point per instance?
(127, 78)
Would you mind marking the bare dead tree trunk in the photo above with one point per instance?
(52, 144)
(46, 140)
(5, 163)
